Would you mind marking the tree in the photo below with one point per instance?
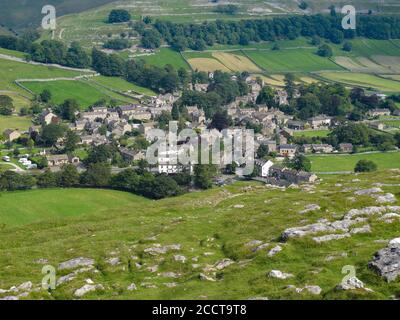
(117, 44)
(325, 51)
(125, 180)
(365, 166)
(347, 46)
(69, 176)
(68, 109)
(71, 141)
(51, 133)
(119, 15)
(220, 120)
(100, 153)
(299, 163)
(97, 175)
(77, 57)
(203, 175)
(262, 151)
(303, 5)
(356, 134)
(151, 39)
(6, 105)
(45, 96)
(47, 179)
(266, 96)
(397, 139)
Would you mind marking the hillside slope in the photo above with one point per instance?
(216, 244)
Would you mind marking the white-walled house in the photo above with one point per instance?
(264, 166)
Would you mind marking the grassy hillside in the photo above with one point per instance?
(337, 163)
(58, 225)
(18, 14)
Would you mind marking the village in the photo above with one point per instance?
(102, 125)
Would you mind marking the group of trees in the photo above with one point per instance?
(166, 79)
(119, 15)
(53, 51)
(198, 36)
(117, 44)
(6, 105)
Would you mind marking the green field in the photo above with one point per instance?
(83, 93)
(363, 80)
(14, 122)
(11, 71)
(58, 225)
(311, 133)
(13, 53)
(165, 56)
(293, 60)
(45, 204)
(340, 163)
(122, 85)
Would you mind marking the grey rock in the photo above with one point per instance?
(368, 191)
(131, 287)
(386, 262)
(310, 207)
(330, 237)
(170, 275)
(113, 261)
(363, 229)
(204, 277)
(180, 258)
(74, 263)
(86, 289)
(351, 284)
(274, 251)
(10, 298)
(279, 274)
(387, 198)
(26, 286)
(222, 264)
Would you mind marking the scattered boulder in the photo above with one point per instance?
(386, 262)
(158, 249)
(253, 243)
(238, 206)
(66, 278)
(363, 229)
(170, 284)
(87, 288)
(368, 191)
(26, 286)
(180, 258)
(260, 247)
(152, 268)
(279, 274)
(132, 287)
(310, 207)
(351, 284)
(274, 251)
(113, 261)
(222, 264)
(336, 256)
(311, 289)
(170, 275)
(204, 277)
(387, 198)
(41, 261)
(330, 237)
(74, 263)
